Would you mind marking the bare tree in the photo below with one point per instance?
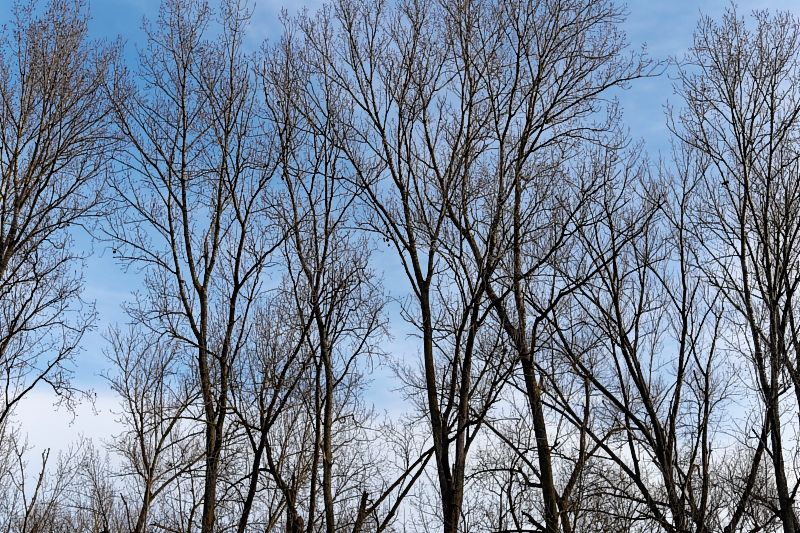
(408, 138)
(191, 200)
(537, 74)
(314, 432)
(741, 119)
(54, 144)
(645, 333)
(160, 442)
(67, 491)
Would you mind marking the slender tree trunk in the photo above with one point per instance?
(451, 506)
(252, 485)
(327, 437)
(786, 510)
(141, 521)
(545, 460)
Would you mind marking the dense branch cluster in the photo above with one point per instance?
(599, 341)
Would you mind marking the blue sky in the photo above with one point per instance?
(665, 26)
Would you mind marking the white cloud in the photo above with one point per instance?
(49, 426)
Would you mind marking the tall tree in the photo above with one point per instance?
(538, 75)
(407, 136)
(191, 198)
(160, 443)
(740, 122)
(54, 147)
